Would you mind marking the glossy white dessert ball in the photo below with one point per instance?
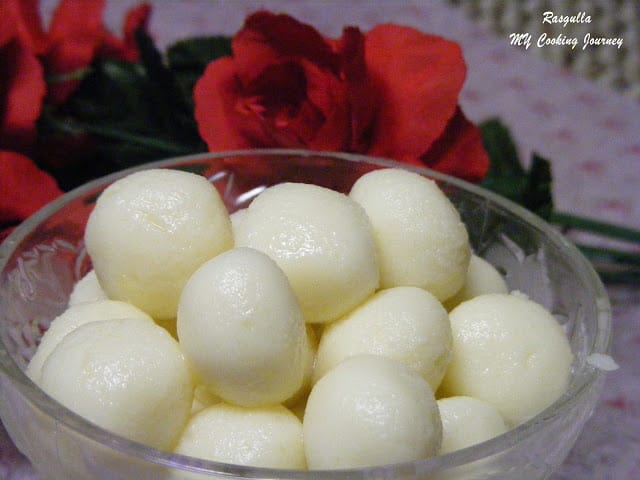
(321, 239)
(407, 324)
(482, 277)
(421, 240)
(467, 421)
(72, 318)
(241, 327)
(509, 351)
(169, 325)
(150, 231)
(309, 359)
(127, 376)
(236, 218)
(203, 398)
(268, 436)
(87, 289)
(367, 411)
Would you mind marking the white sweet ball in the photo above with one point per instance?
(237, 217)
(508, 351)
(150, 231)
(467, 421)
(407, 324)
(240, 325)
(269, 436)
(87, 289)
(321, 239)
(169, 324)
(420, 238)
(203, 398)
(127, 376)
(309, 360)
(482, 277)
(72, 318)
(367, 411)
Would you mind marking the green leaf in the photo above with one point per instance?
(197, 52)
(537, 194)
(170, 103)
(134, 112)
(501, 149)
(532, 189)
(114, 92)
(507, 176)
(188, 58)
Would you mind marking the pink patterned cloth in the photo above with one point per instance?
(591, 135)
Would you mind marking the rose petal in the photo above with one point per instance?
(459, 151)
(328, 94)
(361, 99)
(64, 62)
(267, 38)
(22, 88)
(418, 78)
(277, 97)
(25, 188)
(127, 49)
(23, 18)
(7, 24)
(215, 95)
(21, 93)
(73, 42)
(73, 18)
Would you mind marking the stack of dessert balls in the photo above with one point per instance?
(310, 330)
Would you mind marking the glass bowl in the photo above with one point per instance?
(43, 258)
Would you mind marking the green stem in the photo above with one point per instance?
(614, 266)
(631, 277)
(151, 142)
(74, 127)
(619, 232)
(65, 77)
(616, 256)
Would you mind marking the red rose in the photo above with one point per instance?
(76, 36)
(24, 16)
(72, 43)
(25, 189)
(392, 92)
(75, 40)
(22, 87)
(126, 48)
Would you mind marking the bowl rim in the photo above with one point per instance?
(602, 341)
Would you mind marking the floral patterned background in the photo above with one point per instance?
(589, 133)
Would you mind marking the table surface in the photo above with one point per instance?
(591, 135)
